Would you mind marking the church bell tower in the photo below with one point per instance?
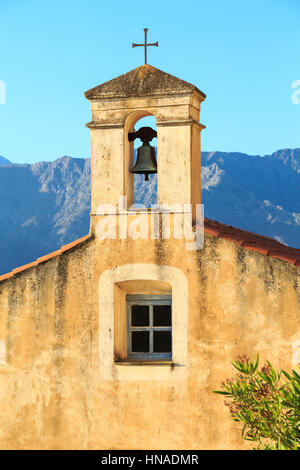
(116, 107)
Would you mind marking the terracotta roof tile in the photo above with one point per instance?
(50, 255)
(43, 258)
(26, 266)
(253, 246)
(230, 237)
(252, 241)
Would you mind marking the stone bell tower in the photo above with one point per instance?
(116, 106)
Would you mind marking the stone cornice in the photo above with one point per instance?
(183, 122)
(100, 125)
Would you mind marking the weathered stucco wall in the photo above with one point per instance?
(52, 395)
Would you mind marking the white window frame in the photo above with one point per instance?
(150, 300)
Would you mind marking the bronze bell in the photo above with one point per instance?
(146, 161)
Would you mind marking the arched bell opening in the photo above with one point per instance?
(141, 159)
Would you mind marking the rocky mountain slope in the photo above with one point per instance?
(47, 204)
(4, 161)
(43, 206)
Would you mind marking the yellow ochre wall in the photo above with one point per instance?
(52, 394)
(62, 385)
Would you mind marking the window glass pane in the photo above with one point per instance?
(162, 315)
(140, 315)
(162, 341)
(140, 341)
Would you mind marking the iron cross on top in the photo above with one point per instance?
(145, 45)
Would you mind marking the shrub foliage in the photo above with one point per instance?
(266, 402)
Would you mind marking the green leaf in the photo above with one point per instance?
(287, 375)
(256, 363)
(240, 367)
(270, 415)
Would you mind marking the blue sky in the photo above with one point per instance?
(243, 55)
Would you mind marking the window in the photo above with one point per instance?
(149, 326)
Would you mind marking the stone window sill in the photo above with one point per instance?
(145, 363)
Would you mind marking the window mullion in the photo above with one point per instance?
(151, 328)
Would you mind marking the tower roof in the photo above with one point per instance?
(145, 80)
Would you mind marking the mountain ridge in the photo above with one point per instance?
(46, 204)
(4, 161)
